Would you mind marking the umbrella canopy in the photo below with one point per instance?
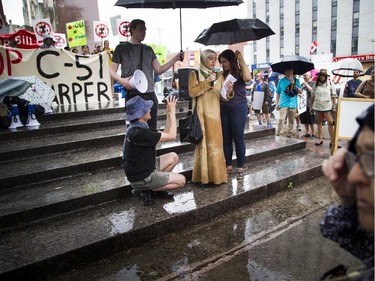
(173, 4)
(299, 64)
(347, 67)
(12, 88)
(368, 71)
(38, 93)
(234, 31)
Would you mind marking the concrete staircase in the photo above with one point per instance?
(64, 200)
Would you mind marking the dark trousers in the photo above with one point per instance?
(152, 123)
(233, 121)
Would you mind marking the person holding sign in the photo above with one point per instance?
(350, 223)
(132, 56)
(48, 41)
(262, 89)
(209, 161)
(234, 109)
(323, 101)
(307, 118)
(286, 101)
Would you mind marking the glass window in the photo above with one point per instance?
(333, 47)
(356, 6)
(355, 46)
(297, 50)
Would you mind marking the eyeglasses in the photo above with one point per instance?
(365, 160)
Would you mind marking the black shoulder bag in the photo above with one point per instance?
(190, 128)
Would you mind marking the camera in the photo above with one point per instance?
(170, 92)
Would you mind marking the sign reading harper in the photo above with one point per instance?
(75, 78)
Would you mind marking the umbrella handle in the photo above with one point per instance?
(181, 56)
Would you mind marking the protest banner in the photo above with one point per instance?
(41, 27)
(160, 52)
(348, 109)
(76, 79)
(302, 102)
(24, 38)
(76, 33)
(60, 40)
(258, 98)
(123, 30)
(101, 31)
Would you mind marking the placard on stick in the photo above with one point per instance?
(347, 111)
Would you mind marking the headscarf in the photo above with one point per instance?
(204, 70)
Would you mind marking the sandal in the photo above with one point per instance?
(240, 173)
(319, 143)
(229, 170)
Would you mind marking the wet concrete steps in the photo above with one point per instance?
(63, 242)
(90, 155)
(59, 142)
(86, 120)
(65, 125)
(43, 192)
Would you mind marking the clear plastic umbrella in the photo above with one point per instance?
(13, 88)
(347, 67)
(38, 93)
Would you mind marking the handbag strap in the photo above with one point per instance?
(141, 58)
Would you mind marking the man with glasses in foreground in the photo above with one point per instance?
(351, 173)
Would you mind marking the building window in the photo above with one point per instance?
(333, 47)
(355, 46)
(297, 50)
(315, 27)
(355, 26)
(254, 10)
(333, 23)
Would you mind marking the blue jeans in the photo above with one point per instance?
(233, 121)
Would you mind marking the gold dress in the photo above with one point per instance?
(209, 160)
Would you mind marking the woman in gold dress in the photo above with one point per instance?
(209, 161)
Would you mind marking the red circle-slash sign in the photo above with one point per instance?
(60, 41)
(124, 28)
(101, 30)
(42, 28)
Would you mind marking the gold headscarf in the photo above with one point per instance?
(203, 69)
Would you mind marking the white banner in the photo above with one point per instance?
(302, 102)
(258, 98)
(76, 79)
(101, 31)
(123, 30)
(41, 27)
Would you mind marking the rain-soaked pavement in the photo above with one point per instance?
(273, 239)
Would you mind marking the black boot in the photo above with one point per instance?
(163, 194)
(146, 197)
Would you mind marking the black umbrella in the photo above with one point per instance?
(13, 88)
(368, 71)
(299, 64)
(234, 31)
(173, 4)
